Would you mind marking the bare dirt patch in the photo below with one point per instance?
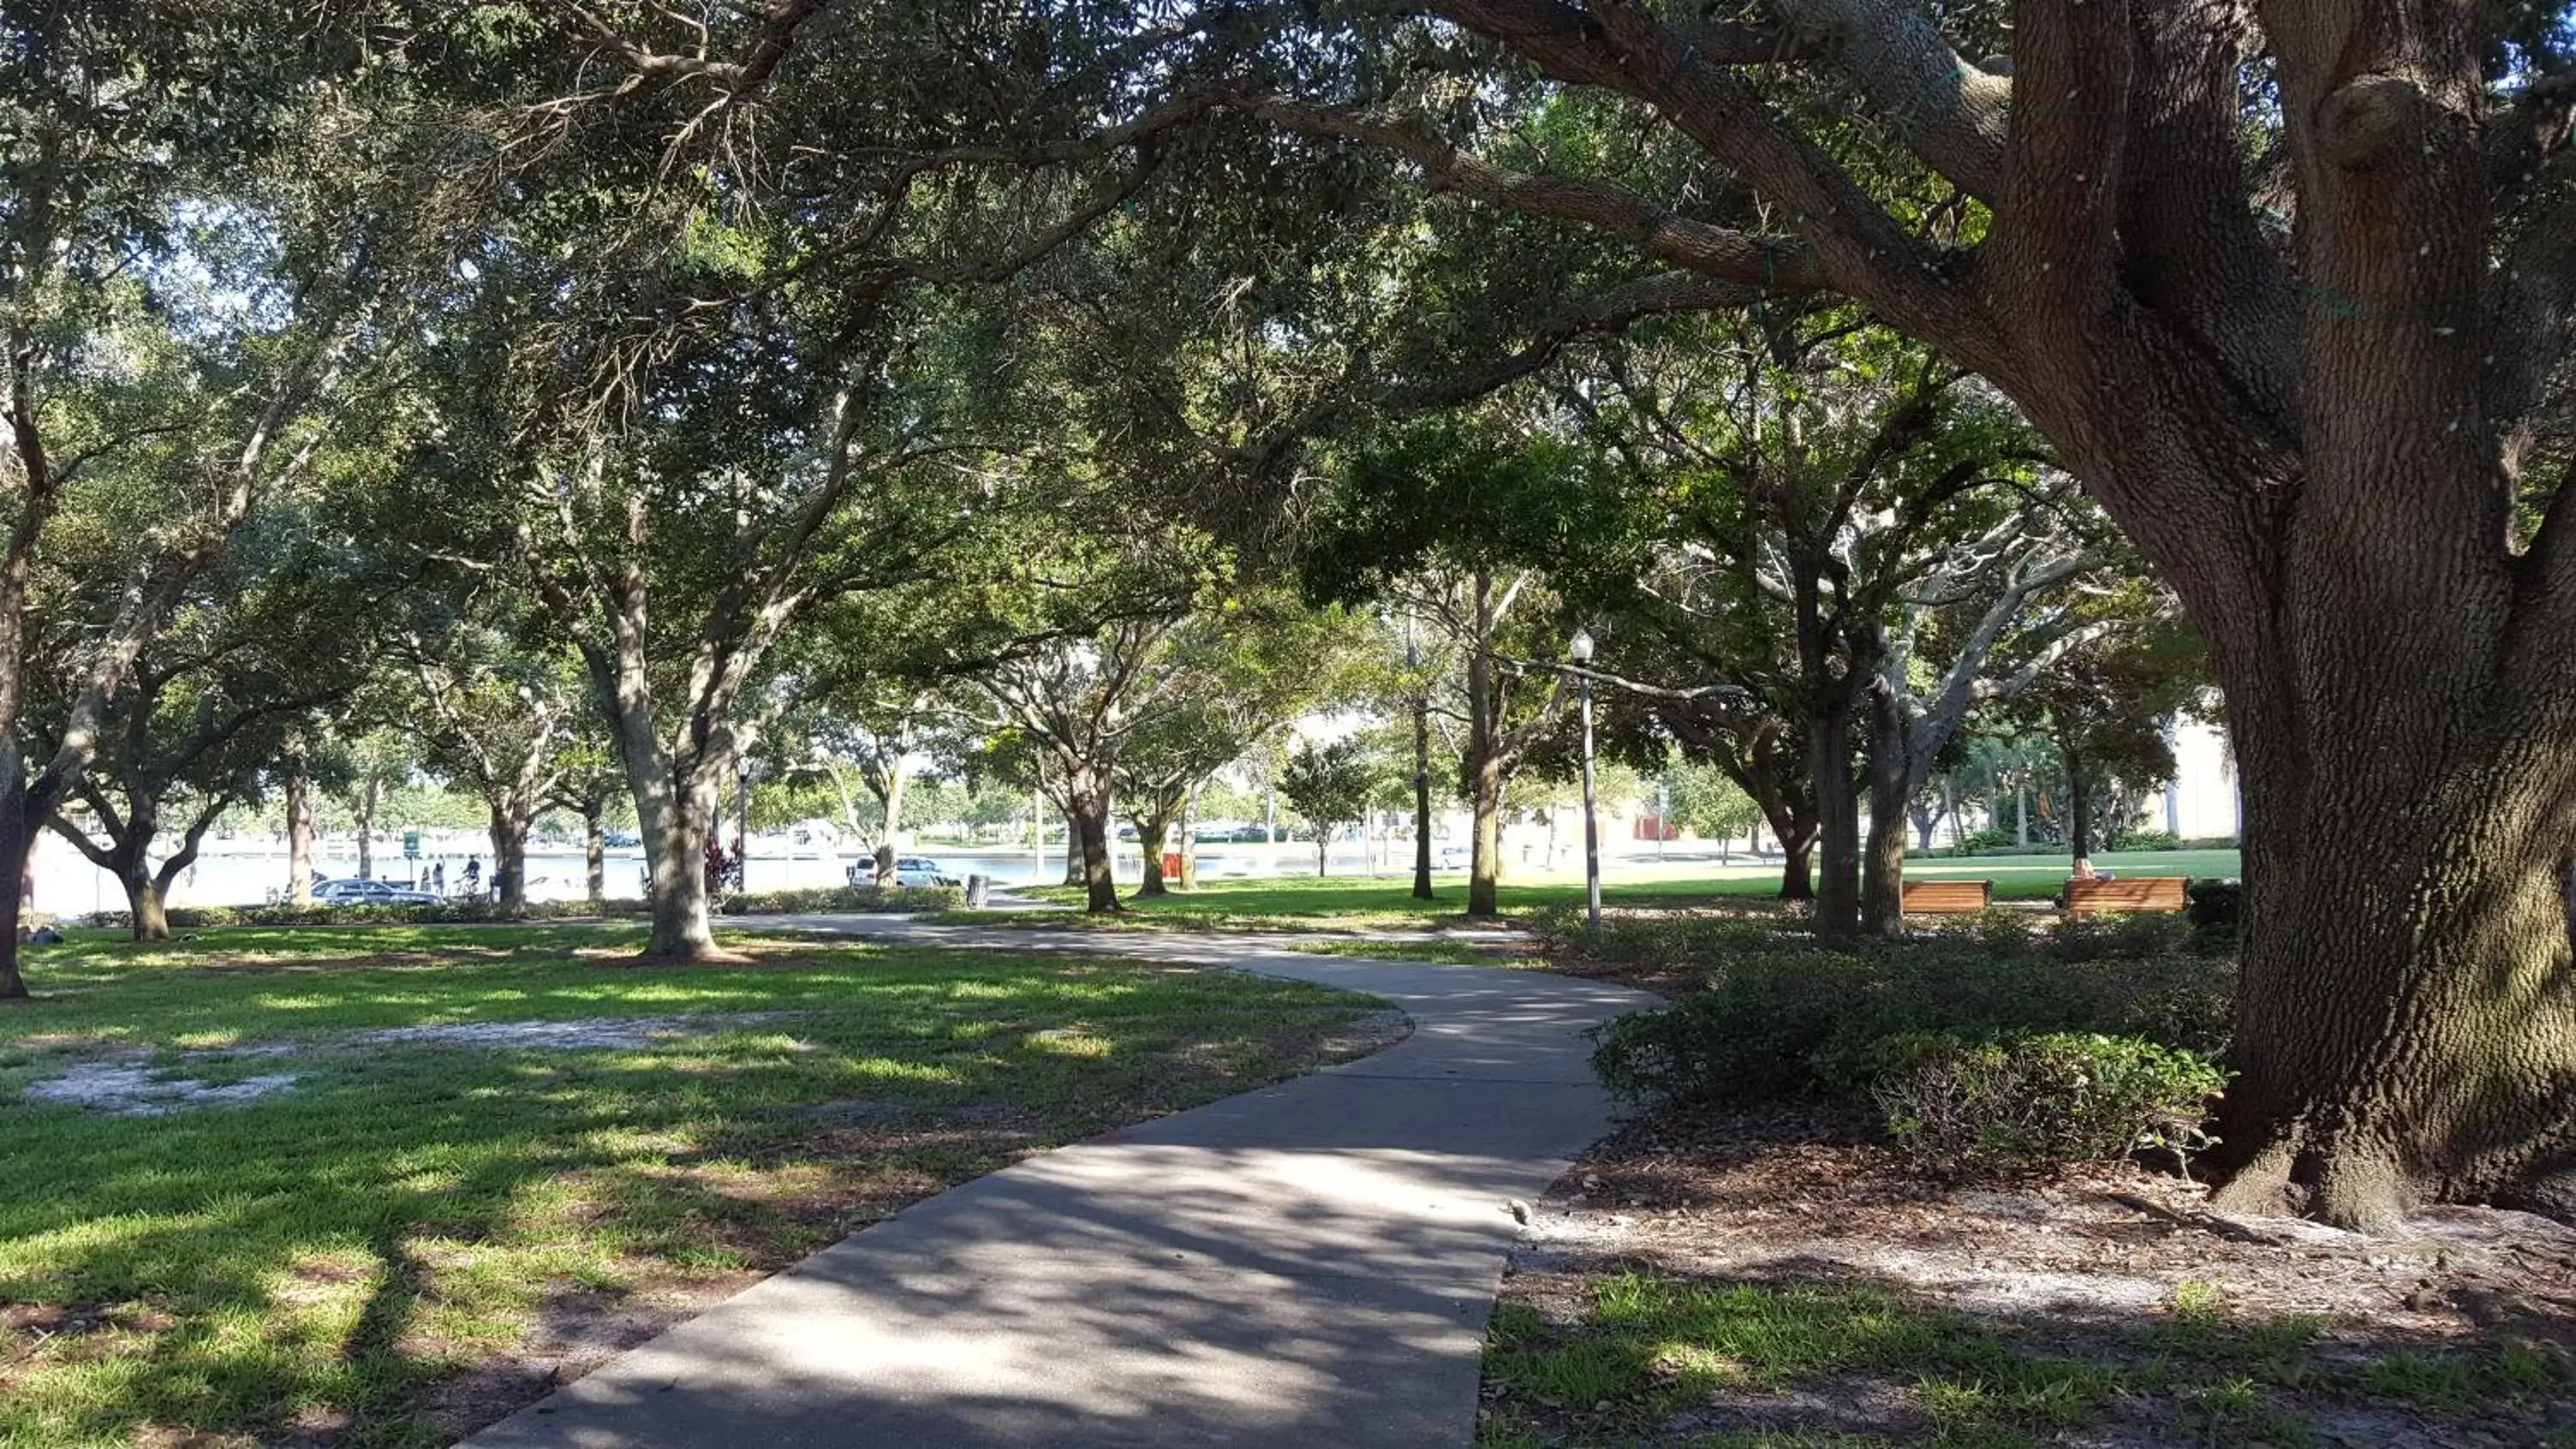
(126, 1085)
(126, 1088)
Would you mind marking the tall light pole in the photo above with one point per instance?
(1579, 649)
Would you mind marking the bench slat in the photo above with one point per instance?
(1948, 897)
(2143, 893)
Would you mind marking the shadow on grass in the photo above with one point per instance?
(327, 1256)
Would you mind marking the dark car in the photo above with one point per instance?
(370, 893)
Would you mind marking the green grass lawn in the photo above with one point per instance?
(343, 1255)
(1645, 1359)
(1387, 903)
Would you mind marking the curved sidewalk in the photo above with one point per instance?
(1306, 1264)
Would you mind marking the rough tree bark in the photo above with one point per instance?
(299, 826)
(1153, 828)
(509, 831)
(1087, 793)
(2079, 803)
(371, 792)
(889, 792)
(1485, 838)
(1190, 841)
(594, 850)
(1495, 744)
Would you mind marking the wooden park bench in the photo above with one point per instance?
(1948, 897)
(2145, 893)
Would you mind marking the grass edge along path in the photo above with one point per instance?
(1386, 902)
(373, 1257)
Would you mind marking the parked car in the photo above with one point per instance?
(370, 893)
(909, 870)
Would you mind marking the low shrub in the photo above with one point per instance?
(2218, 903)
(1752, 1036)
(2025, 1102)
(1780, 1013)
(825, 899)
(2147, 840)
(2120, 936)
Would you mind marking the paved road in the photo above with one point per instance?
(1309, 1264)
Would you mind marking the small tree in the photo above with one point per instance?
(1330, 786)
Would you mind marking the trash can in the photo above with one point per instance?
(976, 886)
(1171, 865)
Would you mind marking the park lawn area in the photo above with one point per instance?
(1634, 1358)
(373, 1253)
(1386, 902)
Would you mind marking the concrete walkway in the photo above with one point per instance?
(1304, 1265)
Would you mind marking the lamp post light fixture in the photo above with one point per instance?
(1579, 649)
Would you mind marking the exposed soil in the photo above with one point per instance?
(126, 1088)
(125, 1085)
(2083, 1259)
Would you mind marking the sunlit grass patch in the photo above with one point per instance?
(328, 1255)
(1648, 1352)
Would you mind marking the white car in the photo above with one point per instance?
(909, 870)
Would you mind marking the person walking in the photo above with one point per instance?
(438, 877)
(473, 876)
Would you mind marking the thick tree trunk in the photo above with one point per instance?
(149, 917)
(1151, 832)
(1092, 837)
(675, 841)
(370, 796)
(594, 849)
(1798, 866)
(509, 832)
(1829, 764)
(889, 844)
(1323, 852)
(299, 830)
(1073, 875)
(2079, 806)
(1797, 840)
(2406, 1023)
(1485, 852)
(1882, 895)
(17, 841)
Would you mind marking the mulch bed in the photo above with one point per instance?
(1803, 1196)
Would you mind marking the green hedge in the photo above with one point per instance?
(2023, 1102)
(828, 899)
(1781, 1014)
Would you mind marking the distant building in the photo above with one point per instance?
(2201, 803)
